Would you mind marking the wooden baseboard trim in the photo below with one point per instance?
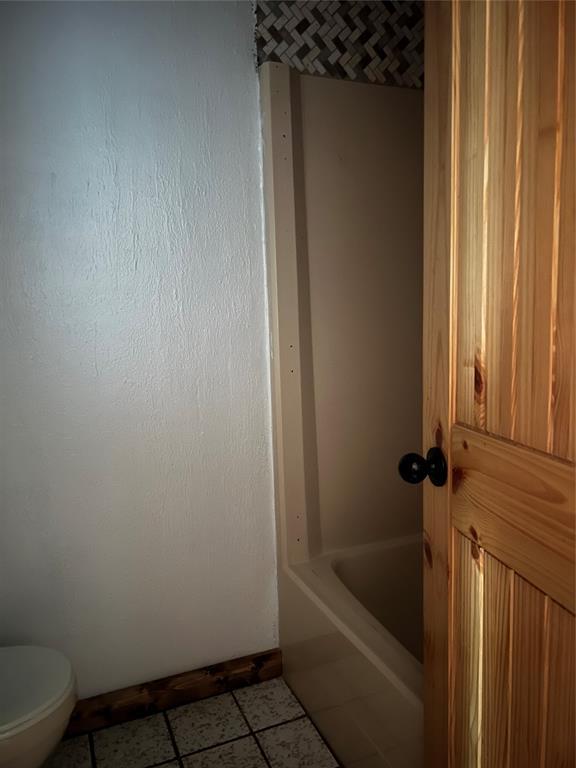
(148, 698)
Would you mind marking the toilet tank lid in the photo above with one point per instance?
(32, 679)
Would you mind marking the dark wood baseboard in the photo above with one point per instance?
(148, 698)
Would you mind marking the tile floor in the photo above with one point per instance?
(262, 726)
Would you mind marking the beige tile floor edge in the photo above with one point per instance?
(262, 726)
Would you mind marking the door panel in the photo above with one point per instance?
(513, 660)
(513, 220)
(560, 736)
(499, 383)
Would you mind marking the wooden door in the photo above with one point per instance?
(499, 383)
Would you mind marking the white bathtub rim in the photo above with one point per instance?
(319, 582)
(376, 644)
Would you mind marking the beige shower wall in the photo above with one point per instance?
(358, 180)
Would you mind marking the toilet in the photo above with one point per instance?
(37, 696)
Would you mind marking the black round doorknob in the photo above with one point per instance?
(413, 468)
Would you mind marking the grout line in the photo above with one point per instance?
(173, 739)
(218, 744)
(308, 716)
(242, 712)
(135, 719)
(92, 750)
(283, 722)
(304, 716)
(142, 716)
(154, 711)
(261, 750)
(252, 732)
(164, 762)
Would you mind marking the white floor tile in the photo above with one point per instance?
(137, 744)
(206, 723)
(269, 703)
(295, 745)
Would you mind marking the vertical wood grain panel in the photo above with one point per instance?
(560, 741)
(514, 221)
(528, 710)
(498, 603)
(471, 155)
(514, 247)
(538, 247)
(437, 371)
(502, 87)
(468, 654)
(529, 674)
(563, 415)
(514, 668)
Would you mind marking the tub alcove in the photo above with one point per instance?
(343, 188)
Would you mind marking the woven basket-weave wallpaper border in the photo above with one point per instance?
(374, 42)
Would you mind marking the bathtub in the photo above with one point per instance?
(351, 631)
(387, 580)
(346, 397)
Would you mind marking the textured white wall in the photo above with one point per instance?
(136, 495)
